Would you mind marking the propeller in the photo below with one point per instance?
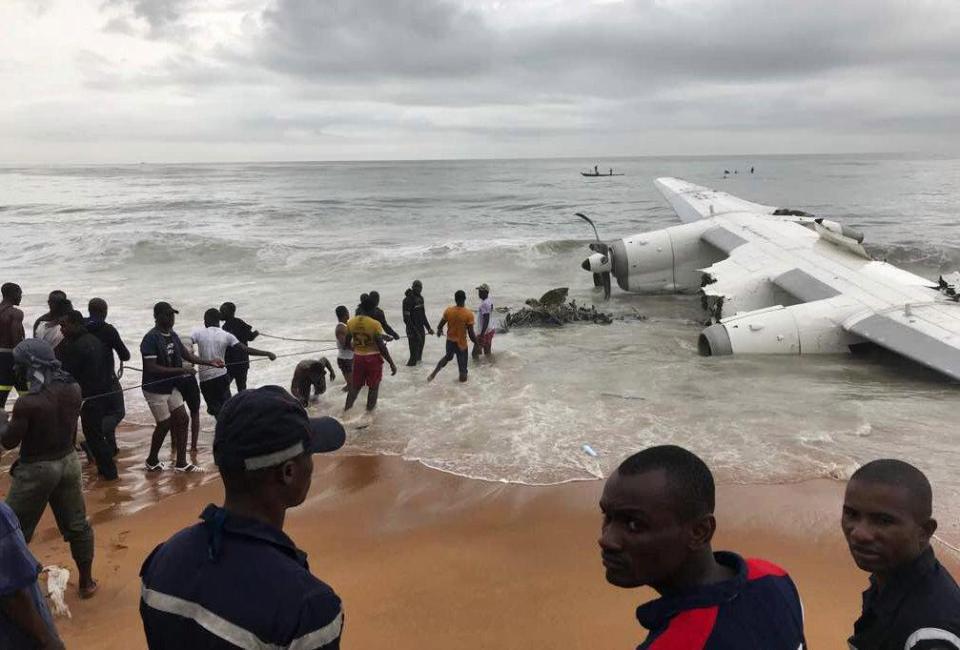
(602, 278)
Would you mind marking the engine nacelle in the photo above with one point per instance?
(809, 328)
(664, 261)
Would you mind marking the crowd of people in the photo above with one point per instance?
(237, 580)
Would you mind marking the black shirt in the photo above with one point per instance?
(167, 350)
(111, 340)
(83, 357)
(381, 318)
(918, 609)
(244, 333)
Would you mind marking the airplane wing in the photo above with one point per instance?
(782, 281)
(692, 202)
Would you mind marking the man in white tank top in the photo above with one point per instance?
(344, 350)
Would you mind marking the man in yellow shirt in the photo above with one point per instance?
(459, 321)
(365, 335)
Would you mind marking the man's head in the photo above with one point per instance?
(211, 318)
(164, 315)
(60, 308)
(483, 291)
(12, 293)
(97, 307)
(417, 287)
(228, 310)
(657, 516)
(343, 314)
(460, 297)
(375, 299)
(71, 324)
(54, 297)
(366, 305)
(887, 515)
(264, 445)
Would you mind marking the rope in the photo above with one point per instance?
(234, 363)
(948, 545)
(286, 338)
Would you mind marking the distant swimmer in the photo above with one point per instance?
(459, 321)
(657, 531)
(98, 326)
(365, 335)
(912, 601)
(162, 353)
(53, 297)
(381, 318)
(415, 320)
(344, 351)
(751, 170)
(213, 344)
(11, 333)
(44, 426)
(484, 323)
(310, 375)
(238, 361)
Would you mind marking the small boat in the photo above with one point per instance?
(592, 175)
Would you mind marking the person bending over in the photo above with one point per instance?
(235, 579)
(658, 525)
(912, 603)
(459, 321)
(310, 375)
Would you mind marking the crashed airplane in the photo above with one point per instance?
(778, 281)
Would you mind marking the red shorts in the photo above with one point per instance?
(486, 339)
(367, 370)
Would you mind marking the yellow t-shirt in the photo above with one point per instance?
(458, 318)
(364, 329)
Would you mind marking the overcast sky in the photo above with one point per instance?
(217, 80)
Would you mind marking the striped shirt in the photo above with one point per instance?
(231, 582)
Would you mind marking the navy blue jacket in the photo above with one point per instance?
(234, 582)
(757, 609)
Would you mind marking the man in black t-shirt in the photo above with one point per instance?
(114, 407)
(163, 354)
(238, 361)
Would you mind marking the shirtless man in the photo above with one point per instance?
(11, 333)
(310, 374)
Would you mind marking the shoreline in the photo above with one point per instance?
(425, 558)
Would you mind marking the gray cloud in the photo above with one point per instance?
(161, 17)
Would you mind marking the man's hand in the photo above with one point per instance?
(271, 356)
(386, 338)
(217, 363)
(393, 368)
(190, 371)
(430, 330)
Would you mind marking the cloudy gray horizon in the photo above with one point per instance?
(249, 80)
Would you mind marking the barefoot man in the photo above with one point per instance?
(459, 321)
(485, 323)
(44, 426)
(365, 335)
(11, 333)
(344, 351)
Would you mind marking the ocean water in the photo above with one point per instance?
(288, 242)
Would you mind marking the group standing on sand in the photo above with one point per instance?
(657, 506)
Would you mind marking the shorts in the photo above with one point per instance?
(162, 405)
(345, 365)
(487, 338)
(190, 393)
(216, 392)
(6, 371)
(454, 350)
(367, 370)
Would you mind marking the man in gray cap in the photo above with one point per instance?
(235, 578)
(44, 426)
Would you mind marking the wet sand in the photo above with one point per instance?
(424, 559)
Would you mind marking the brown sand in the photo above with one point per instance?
(423, 559)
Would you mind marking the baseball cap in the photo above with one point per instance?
(163, 308)
(266, 426)
(484, 287)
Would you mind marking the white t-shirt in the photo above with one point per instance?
(212, 343)
(486, 307)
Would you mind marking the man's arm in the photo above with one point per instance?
(150, 365)
(484, 323)
(12, 429)
(389, 330)
(257, 353)
(385, 352)
(422, 321)
(194, 359)
(473, 337)
(15, 333)
(20, 610)
(117, 344)
(440, 325)
(325, 362)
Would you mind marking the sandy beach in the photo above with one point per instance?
(424, 559)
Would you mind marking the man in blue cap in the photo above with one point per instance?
(235, 579)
